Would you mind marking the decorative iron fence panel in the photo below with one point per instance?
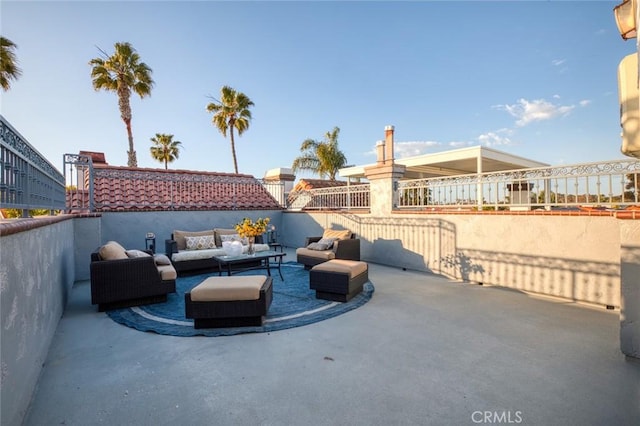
(78, 174)
(27, 180)
(335, 198)
(611, 184)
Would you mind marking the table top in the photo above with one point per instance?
(245, 257)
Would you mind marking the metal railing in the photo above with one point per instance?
(610, 185)
(335, 198)
(78, 174)
(277, 191)
(27, 180)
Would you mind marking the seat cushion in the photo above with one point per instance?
(319, 254)
(228, 288)
(184, 255)
(347, 267)
(257, 247)
(167, 272)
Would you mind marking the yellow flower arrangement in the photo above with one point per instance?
(247, 228)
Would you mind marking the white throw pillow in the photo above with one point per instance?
(201, 242)
(136, 253)
(161, 259)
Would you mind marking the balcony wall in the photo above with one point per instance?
(130, 228)
(572, 257)
(36, 276)
(577, 258)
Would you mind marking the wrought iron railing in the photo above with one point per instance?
(27, 180)
(610, 185)
(277, 191)
(78, 174)
(346, 197)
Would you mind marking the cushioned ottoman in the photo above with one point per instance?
(229, 301)
(338, 280)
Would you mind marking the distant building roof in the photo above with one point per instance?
(142, 189)
(477, 159)
(96, 157)
(125, 188)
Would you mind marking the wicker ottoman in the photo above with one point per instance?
(236, 301)
(338, 280)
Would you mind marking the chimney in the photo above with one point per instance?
(388, 145)
(380, 152)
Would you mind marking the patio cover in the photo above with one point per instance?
(477, 159)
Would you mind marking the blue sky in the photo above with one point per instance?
(536, 79)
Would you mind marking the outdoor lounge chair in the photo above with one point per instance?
(344, 246)
(121, 278)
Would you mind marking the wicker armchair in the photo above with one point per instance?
(346, 249)
(128, 282)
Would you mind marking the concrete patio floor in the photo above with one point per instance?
(424, 351)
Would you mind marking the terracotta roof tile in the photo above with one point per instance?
(134, 189)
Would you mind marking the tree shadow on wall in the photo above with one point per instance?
(393, 252)
(463, 264)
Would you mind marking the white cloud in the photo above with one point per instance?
(413, 148)
(558, 62)
(460, 144)
(584, 102)
(527, 112)
(493, 139)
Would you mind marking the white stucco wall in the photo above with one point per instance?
(573, 257)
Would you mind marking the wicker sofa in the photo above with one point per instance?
(345, 246)
(199, 258)
(122, 278)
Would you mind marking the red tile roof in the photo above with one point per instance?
(136, 189)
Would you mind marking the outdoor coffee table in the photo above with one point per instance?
(261, 256)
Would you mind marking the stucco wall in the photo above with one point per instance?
(87, 232)
(130, 228)
(630, 288)
(36, 276)
(576, 257)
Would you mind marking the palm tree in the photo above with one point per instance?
(323, 158)
(123, 72)
(166, 149)
(231, 112)
(9, 69)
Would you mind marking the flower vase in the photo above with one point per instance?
(251, 250)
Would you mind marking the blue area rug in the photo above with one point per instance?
(293, 305)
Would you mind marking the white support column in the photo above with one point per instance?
(479, 184)
(630, 289)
